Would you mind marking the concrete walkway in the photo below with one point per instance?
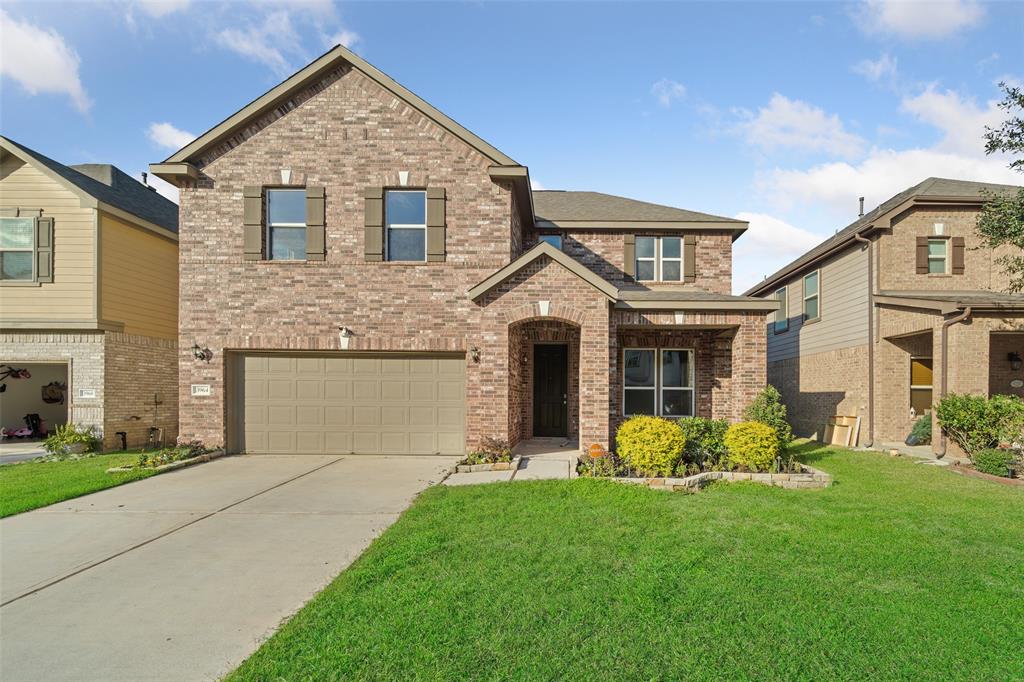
(15, 450)
(182, 576)
(542, 458)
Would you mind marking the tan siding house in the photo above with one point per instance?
(88, 298)
(912, 307)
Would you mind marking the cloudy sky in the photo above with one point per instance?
(782, 114)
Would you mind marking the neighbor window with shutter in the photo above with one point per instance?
(812, 296)
(938, 256)
(405, 225)
(26, 250)
(660, 259)
(286, 224)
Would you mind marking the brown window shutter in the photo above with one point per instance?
(689, 258)
(922, 255)
(435, 223)
(44, 250)
(629, 255)
(315, 242)
(959, 249)
(252, 236)
(373, 222)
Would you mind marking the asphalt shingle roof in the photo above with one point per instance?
(555, 205)
(123, 191)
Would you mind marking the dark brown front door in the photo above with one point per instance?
(550, 386)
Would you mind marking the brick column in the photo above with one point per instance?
(596, 345)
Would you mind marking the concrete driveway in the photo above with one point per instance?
(182, 576)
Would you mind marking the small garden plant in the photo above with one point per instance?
(752, 446)
(767, 408)
(996, 462)
(986, 428)
(651, 446)
(179, 453)
(921, 434)
(71, 441)
(490, 451)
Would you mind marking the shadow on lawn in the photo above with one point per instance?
(810, 451)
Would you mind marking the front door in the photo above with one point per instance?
(550, 390)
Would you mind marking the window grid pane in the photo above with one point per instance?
(407, 244)
(287, 243)
(286, 207)
(677, 402)
(406, 207)
(16, 265)
(782, 314)
(811, 285)
(554, 239)
(811, 308)
(17, 233)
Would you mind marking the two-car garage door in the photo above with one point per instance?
(394, 404)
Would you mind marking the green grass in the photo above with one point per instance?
(899, 571)
(30, 485)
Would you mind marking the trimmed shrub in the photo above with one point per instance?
(767, 408)
(752, 446)
(977, 423)
(489, 451)
(921, 434)
(994, 461)
(651, 446)
(705, 441)
(69, 437)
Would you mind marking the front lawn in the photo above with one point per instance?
(899, 571)
(29, 485)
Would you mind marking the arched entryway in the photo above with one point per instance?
(544, 379)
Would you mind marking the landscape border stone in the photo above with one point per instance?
(493, 466)
(171, 466)
(809, 477)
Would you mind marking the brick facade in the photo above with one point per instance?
(817, 386)
(346, 133)
(127, 372)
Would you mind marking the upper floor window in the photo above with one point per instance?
(405, 225)
(17, 249)
(782, 314)
(938, 256)
(812, 295)
(658, 382)
(659, 259)
(554, 239)
(286, 224)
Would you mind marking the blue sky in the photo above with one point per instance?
(779, 113)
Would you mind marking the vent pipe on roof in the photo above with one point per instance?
(145, 180)
(861, 214)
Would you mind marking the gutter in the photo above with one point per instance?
(962, 317)
(871, 341)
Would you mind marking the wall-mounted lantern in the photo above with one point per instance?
(474, 354)
(204, 354)
(1015, 361)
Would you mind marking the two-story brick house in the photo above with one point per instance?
(88, 298)
(369, 276)
(892, 312)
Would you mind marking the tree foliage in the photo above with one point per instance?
(1001, 221)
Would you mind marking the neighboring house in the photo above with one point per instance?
(892, 312)
(369, 276)
(88, 297)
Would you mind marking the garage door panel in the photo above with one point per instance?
(384, 404)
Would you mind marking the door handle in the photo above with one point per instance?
(565, 399)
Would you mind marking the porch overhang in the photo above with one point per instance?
(541, 250)
(690, 299)
(946, 303)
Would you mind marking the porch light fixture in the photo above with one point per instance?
(474, 354)
(344, 334)
(204, 354)
(1015, 361)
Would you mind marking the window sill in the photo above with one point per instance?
(812, 320)
(939, 275)
(20, 283)
(778, 332)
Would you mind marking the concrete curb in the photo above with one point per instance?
(493, 466)
(173, 465)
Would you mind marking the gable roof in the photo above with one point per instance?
(563, 208)
(932, 190)
(330, 60)
(540, 250)
(106, 184)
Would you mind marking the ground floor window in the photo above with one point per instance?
(920, 385)
(658, 381)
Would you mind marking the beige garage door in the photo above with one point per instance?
(383, 404)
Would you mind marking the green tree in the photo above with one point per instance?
(1001, 220)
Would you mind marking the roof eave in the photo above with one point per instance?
(179, 174)
(764, 305)
(736, 228)
(519, 177)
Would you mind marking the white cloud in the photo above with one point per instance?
(767, 245)
(343, 37)
(40, 61)
(161, 8)
(916, 19)
(265, 43)
(798, 125)
(667, 90)
(162, 187)
(960, 119)
(883, 68)
(534, 185)
(167, 136)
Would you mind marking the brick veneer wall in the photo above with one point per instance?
(604, 253)
(896, 251)
(125, 370)
(815, 387)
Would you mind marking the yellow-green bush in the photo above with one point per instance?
(752, 445)
(651, 446)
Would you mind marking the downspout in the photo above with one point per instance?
(966, 314)
(871, 339)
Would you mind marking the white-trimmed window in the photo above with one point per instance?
(938, 256)
(551, 238)
(17, 249)
(286, 224)
(405, 225)
(659, 259)
(658, 381)
(812, 295)
(782, 314)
